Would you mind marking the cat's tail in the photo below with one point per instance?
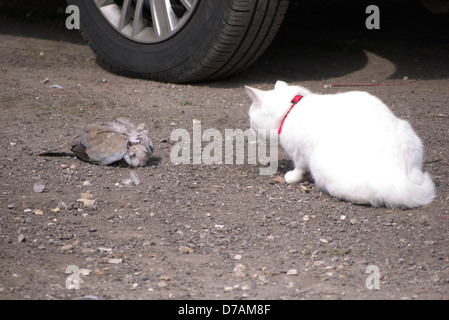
(420, 189)
(414, 188)
(413, 191)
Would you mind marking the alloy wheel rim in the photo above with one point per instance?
(147, 21)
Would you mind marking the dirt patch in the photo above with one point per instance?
(198, 231)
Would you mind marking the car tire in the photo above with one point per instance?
(219, 39)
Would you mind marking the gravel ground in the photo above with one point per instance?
(198, 231)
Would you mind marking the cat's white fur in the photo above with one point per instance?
(352, 144)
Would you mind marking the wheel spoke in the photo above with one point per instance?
(101, 3)
(125, 16)
(188, 4)
(160, 12)
(138, 24)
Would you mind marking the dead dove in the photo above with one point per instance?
(106, 143)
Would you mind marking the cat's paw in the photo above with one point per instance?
(293, 176)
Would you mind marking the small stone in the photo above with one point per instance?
(304, 189)
(67, 247)
(87, 183)
(64, 166)
(21, 238)
(39, 187)
(115, 260)
(39, 212)
(323, 240)
(228, 289)
(305, 218)
(292, 272)
(162, 284)
(424, 220)
(88, 203)
(11, 206)
(187, 250)
(237, 257)
(86, 195)
(280, 180)
(240, 270)
(85, 272)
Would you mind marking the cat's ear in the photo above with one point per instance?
(280, 84)
(255, 95)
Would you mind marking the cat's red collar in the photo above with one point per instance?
(295, 100)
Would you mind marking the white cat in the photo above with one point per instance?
(352, 144)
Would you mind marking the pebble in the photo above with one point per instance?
(323, 240)
(115, 260)
(67, 247)
(21, 238)
(88, 203)
(85, 272)
(185, 249)
(240, 270)
(292, 272)
(39, 187)
(280, 180)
